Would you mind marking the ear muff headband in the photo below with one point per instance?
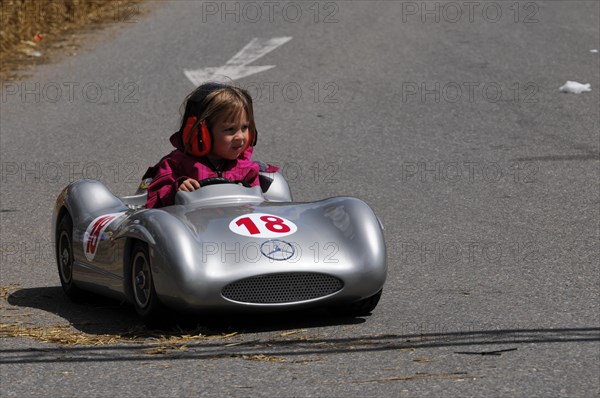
(196, 137)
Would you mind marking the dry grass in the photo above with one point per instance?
(161, 341)
(156, 344)
(6, 290)
(55, 334)
(32, 30)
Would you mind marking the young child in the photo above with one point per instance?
(215, 139)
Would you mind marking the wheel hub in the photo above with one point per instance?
(140, 280)
(64, 258)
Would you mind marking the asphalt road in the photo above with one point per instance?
(445, 117)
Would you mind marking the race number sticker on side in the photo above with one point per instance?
(260, 225)
(94, 231)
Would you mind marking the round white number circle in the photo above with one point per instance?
(261, 225)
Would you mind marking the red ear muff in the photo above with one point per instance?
(196, 137)
(205, 138)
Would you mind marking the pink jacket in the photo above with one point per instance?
(177, 166)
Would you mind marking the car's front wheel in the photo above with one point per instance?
(64, 257)
(141, 288)
(360, 308)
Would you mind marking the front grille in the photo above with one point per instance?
(282, 288)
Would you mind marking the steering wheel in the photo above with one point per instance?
(215, 180)
(221, 180)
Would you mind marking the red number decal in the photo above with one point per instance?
(95, 234)
(249, 224)
(261, 225)
(275, 224)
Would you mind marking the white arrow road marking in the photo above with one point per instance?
(237, 67)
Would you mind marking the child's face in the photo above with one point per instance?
(230, 136)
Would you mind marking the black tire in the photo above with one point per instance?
(360, 308)
(140, 285)
(64, 258)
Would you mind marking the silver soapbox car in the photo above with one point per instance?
(224, 246)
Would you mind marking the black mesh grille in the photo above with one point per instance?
(282, 288)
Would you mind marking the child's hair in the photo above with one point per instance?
(212, 100)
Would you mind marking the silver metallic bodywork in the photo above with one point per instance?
(336, 255)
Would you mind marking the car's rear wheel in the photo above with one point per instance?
(64, 257)
(141, 288)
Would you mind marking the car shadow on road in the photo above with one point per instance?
(100, 315)
(224, 337)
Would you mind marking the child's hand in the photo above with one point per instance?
(189, 185)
